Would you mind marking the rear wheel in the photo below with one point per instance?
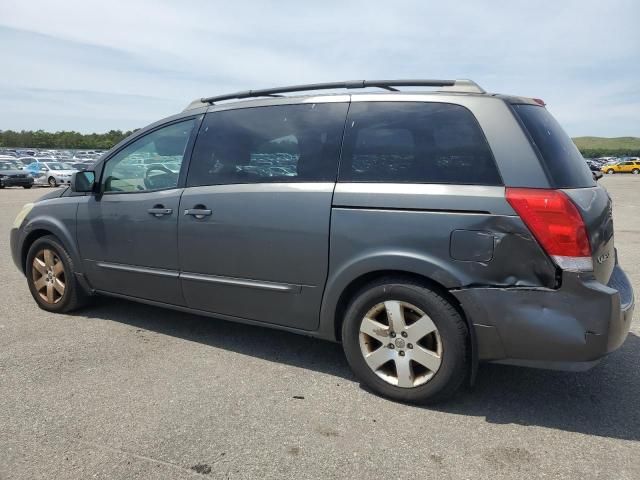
(27, 186)
(406, 342)
(52, 283)
(635, 171)
(52, 182)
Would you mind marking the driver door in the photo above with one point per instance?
(127, 233)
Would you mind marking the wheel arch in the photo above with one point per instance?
(38, 228)
(402, 275)
(362, 280)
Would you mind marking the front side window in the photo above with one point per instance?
(415, 142)
(152, 162)
(282, 143)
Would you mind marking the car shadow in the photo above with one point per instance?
(604, 401)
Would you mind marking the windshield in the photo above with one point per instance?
(59, 166)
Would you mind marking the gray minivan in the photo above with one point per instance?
(425, 231)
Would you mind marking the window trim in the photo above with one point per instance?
(429, 102)
(182, 174)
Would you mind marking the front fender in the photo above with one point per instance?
(56, 217)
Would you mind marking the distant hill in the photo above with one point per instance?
(602, 146)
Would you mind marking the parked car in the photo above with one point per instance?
(424, 231)
(50, 172)
(622, 167)
(82, 165)
(10, 176)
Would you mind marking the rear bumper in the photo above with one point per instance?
(567, 329)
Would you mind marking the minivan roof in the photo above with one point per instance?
(460, 86)
(449, 86)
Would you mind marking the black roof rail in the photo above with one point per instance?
(450, 85)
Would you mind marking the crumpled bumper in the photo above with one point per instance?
(570, 328)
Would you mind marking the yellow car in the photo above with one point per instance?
(631, 166)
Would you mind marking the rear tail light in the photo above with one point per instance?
(557, 225)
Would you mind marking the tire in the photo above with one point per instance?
(635, 171)
(447, 344)
(52, 182)
(27, 186)
(72, 297)
(610, 172)
(1, 186)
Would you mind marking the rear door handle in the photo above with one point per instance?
(198, 213)
(160, 211)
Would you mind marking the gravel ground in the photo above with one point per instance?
(122, 390)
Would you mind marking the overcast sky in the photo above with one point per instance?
(99, 65)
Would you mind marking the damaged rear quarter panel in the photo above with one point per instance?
(366, 240)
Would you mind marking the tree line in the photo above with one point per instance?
(71, 140)
(104, 141)
(609, 152)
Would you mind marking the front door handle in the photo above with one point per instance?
(199, 212)
(159, 211)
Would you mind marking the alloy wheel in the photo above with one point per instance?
(48, 276)
(400, 343)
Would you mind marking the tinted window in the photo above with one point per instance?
(285, 143)
(152, 162)
(560, 156)
(408, 142)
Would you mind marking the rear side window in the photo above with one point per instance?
(561, 158)
(282, 143)
(421, 142)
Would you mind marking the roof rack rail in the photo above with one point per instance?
(449, 85)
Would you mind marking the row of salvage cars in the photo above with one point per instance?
(39, 172)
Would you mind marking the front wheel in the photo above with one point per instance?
(27, 186)
(406, 342)
(610, 172)
(50, 275)
(52, 182)
(635, 171)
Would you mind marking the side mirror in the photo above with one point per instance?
(597, 175)
(83, 181)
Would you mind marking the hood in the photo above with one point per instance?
(56, 193)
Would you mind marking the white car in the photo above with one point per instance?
(50, 172)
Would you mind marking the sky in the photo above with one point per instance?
(93, 66)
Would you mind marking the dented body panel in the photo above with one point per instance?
(567, 328)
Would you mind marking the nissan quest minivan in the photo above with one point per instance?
(425, 231)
